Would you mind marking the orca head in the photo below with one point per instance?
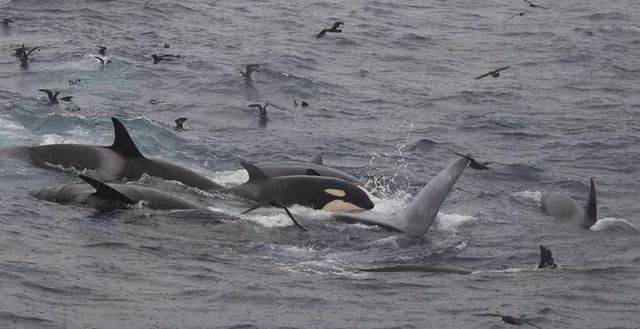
(345, 196)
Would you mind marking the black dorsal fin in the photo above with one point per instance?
(106, 191)
(255, 174)
(591, 209)
(317, 159)
(123, 144)
(311, 172)
(546, 258)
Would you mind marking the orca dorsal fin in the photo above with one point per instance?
(106, 191)
(312, 172)
(546, 258)
(255, 174)
(123, 144)
(591, 209)
(317, 159)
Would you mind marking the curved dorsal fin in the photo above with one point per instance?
(311, 172)
(123, 144)
(591, 209)
(317, 159)
(106, 191)
(255, 174)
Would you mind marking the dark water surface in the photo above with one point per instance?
(389, 98)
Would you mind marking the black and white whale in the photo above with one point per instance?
(561, 205)
(122, 160)
(314, 191)
(287, 168)
(102, 195)
(422, 211)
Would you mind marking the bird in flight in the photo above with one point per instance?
(334, 29)
(495, 73)
(515, 15)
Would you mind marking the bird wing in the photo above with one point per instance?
(321, 34)
(502, 68)
(100, 59)
(337, 25)
(32, 50)
(180, 120)
(49, 93)
(66, 98)
(482, 76)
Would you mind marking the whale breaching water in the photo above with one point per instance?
(248, 70)
(533, 5)
(495, 73)
(334, 29)
(509, 319)
(166, 57)
(180, 123)
(560, 205)
(53, 96)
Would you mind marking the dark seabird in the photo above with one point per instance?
(495, 73)
(24, 58)
(20, 50)
(179, 123)
(53, 96)
(473, 164)
(153, 101)
(334, 29)
(102, 61)
(546, 258)
(514, 15)
(66, 98)
(102, 50)
(533, 5)
(6, 21)
(261, 108)
(166, 45)
(74, 82)
(304, 104)
(248, 70)
(166, 57)
(509, 319)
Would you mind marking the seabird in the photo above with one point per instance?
(20, 50)
(53, 96)
(74, 82)
(334, 29)
(166, 45)
(6, 21)
(24, 58)
(153, 101)
(248, 70)
(495, 73)
(261, 108)
(304, 104)
(509, 319)
(104, 64)
(166, 57)
(514, 15)
(533, 5)
(473, 164)
(179, 123)
(102, 50)
(66, 98)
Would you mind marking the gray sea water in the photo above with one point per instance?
(390, 97)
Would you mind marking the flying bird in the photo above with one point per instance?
(334, 29)
(533, 5)
(495, 73)
(53, 96)
(509, 319)
(249, 70)
(515, 15)
(261, 108)
(24, 56)
(179, 123)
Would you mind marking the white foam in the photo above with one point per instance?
(231, 177)
(57, 139)
(451, 222)
(529, 197)
(606, 222)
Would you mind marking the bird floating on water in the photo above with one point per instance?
(509, 319)
(180, 124)
(495, 73)
(249, 69)
(53, 96)
(24, 56)
(334, 29)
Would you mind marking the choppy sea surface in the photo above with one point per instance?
(390, 98)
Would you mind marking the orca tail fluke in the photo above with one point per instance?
(591, 209)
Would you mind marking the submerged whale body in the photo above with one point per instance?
(561, 205)
(422, 211)
(289, 168)
(101, 195)
(122, 160)
(312, 190)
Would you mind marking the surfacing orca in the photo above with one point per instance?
(422, 211)
(288, 168)
(546, 258)
(112, 196)
(561, 205)
(317, 192)
(122, 160)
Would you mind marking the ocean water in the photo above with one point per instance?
(390, 99)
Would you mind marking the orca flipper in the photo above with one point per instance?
(255, 174)
(106, 191)
(317, 159)
(591, 209)
(123, 144)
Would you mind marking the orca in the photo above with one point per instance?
(422, 211)
(122, 160)
(561, 205)
(546, 259)
(112, 196)
(288, 168)
(315, 191)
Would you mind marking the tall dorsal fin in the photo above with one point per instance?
(311, 172)
(106, 191)
(255, 174)
(546, 258)
(591, 209)
(317, 159)
(123, 144)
